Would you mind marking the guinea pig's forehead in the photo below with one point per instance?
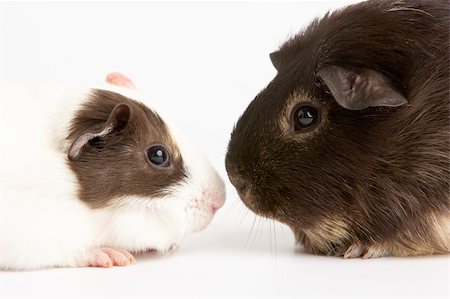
(155, 129)
(298, 97)
(262, 111)
(287, 87)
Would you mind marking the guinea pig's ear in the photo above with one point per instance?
(116, 123)
(360, 89)
(276, 61)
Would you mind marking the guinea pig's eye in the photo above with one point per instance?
(304, 117)
(158, 156)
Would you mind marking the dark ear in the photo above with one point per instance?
(116, 123)
(276, 61)
(360, 89)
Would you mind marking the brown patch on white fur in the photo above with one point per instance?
(117, 166)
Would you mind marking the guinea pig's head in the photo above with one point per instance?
(128, 159)
(298, 151)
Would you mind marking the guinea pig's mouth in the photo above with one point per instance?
(260, 205)
(201, 214)
(257, 206)
(201, 224)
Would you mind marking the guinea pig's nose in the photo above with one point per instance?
(242, 186)
(217, 202)
(216, 199)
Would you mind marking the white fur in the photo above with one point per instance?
(44, 224)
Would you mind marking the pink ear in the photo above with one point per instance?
(120, 80)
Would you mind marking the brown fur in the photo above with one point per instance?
(368, 182)
(118, 166)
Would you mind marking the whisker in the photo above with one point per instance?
(283, 233)
(275, 237)
(243, 213)
(250, 233)
(244, 216)
(233, 205)
(257, 229)
(270, 237)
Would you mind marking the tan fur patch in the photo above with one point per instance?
(438, 241)
(328, 232)
(118, 168)
(441, 230)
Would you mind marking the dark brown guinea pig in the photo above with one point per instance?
(349, 143)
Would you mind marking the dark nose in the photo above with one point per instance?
(242, 186)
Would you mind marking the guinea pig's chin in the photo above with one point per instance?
(254, 204)
(270, 213)
(198, 217)
(200, 224)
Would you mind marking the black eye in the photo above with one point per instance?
(305, 117)
(158, 156)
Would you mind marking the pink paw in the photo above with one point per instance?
(365, 252)
(172, 248)
(164, 252)
(105, 257)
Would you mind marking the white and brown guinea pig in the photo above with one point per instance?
(349, 143)
(88, 177)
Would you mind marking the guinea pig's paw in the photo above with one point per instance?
(374, 252)
(354, 251)
(171, 249)
(105, 257)
(358, 250)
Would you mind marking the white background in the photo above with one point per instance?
(204, 62)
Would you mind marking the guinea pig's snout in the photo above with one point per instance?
(242, 187)
(216, 200)
(215, 206)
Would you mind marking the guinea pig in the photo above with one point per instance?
(349, 144)
(90, 176)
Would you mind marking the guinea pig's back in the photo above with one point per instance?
(33, 121)
(416, 139)
(38, 197)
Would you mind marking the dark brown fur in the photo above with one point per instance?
(117, 166)
(366, 182)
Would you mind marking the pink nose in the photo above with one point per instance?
(214, 209)
(216, 201)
